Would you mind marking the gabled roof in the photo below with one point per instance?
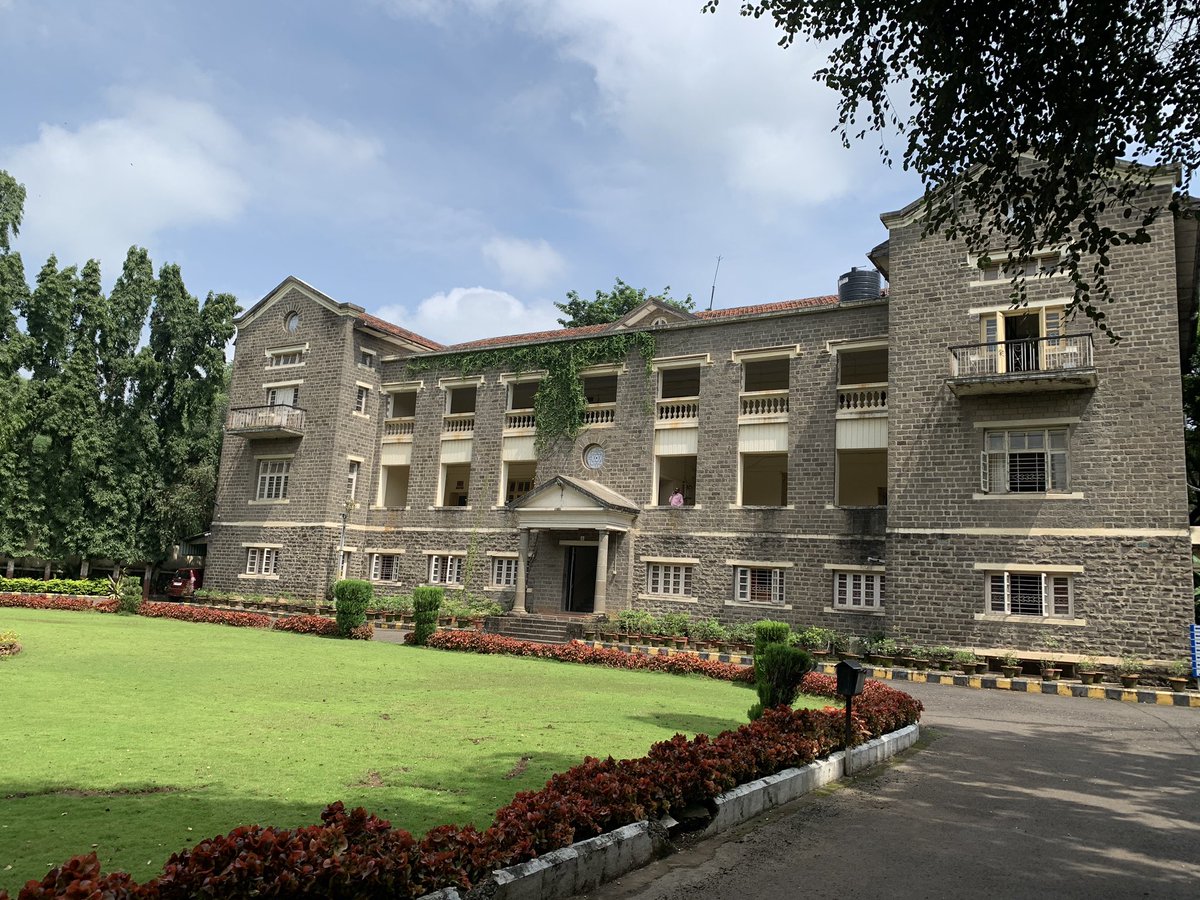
(768, 308)
(532, 337)
(379, 324)
(603, 496)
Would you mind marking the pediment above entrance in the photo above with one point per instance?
(566, 502)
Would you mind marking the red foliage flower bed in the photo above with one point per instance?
(307, 625)
(357, 855)
(58, 601)
(578, 652)
(204, 614)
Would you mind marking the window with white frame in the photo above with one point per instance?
(504, 571)
(352, 480)
(669, 579)
(262, 561)
(1030, 594)
(758, 584)
(385, 566)
(366, 359)
(344, 567)
(1024, 461)
(445, 568)
(858, 590)
(360, 399)
(280, 358)
(284, 395)
(273, 479)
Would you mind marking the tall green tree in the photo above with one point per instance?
(1018, 116)
(609, 306)
(14, 298)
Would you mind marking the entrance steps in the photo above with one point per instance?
(542, 629)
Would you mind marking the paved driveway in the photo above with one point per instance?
(1008, 795)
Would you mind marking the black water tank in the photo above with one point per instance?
(859, 284)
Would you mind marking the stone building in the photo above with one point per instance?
(925, 461)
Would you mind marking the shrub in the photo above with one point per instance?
(185, 613)
(426, 603)
(128, 593)
(80, 587)
(306, 624)
(778, 671)
(768, 632)
(742, 633)
(352, 596)
(46, 601)
(706, 630)
(637, 621)
(10, 643)
(674, 624)
(401, 604)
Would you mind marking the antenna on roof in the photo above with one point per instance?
(714, 286)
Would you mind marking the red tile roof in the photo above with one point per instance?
(387, 327)
(765, 308)
(533, 337)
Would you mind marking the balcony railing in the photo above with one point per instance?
(679, 410)
(519, 420)
(1048, 354)
(399, 428)
(266, 421)
(600, 414)
(458, 422)
(764, 404)
(862, 399)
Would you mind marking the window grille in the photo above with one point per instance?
(759, 585)
(385, 567)
(445, 569)
(1030, 594)
(1017, 462)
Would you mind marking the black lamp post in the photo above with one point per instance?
(850, 680)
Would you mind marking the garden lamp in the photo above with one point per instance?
(850, 680)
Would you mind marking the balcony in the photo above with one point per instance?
(519, 421)
(862, 401)
(1062, 363)
(678, 412)
(266, 422)
(459, 423)
(764, 406)
(398, 429)
(595, 414)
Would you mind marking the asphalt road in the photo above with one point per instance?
(1007, 795)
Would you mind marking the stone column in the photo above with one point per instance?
(9, 568)
(599, 606)
(522, 554)
(46, 572)
(84, 568)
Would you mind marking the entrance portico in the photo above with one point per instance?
(572, 505)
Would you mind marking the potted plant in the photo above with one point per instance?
(881, 650)
(965, 660)
(1088, 670)
(1177, 675)
(906, 658)
(849, 647)
(1010, 665)
(942, 657)
(1129, 670)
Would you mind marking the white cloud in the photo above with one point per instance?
(530, 264)
(464, 314)
(95, 190)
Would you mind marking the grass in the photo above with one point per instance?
(137, 737)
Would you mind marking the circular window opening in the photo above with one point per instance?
(659, 321)
(292, 322)
(593, 456)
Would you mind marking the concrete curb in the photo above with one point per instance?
(588, 864)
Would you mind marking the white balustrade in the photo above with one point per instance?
(600, 414)
(678, 410)
(764, 403)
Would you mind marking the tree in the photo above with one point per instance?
(609, 306)
(1021, 119)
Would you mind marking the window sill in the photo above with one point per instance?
(1030, 620)
(740, 506)
(746, 604)
(1030, 496)
(499, 587)
(842, 506)
(850, 611)
(362, 415)
(267, 502)
(671, 598)
(389, 508)
(449, 587)
(258, 577)
(668, 507)
(447, 507)
(270, 368)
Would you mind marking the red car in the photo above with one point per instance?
(185, 582)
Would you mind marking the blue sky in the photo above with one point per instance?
(454, 166)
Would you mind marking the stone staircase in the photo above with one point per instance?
(542, 629)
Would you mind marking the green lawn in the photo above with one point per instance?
(136, 737)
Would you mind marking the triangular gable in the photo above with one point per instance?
(651, 311)
(288, 284)
(564, 492)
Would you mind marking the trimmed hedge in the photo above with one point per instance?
(426, 603)
(778, 671)
(307, 625)
(352, 597)
(356, 855)
(578, 652)
(186, 613)
(80, 587)
(58, 601)
(768, 632)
